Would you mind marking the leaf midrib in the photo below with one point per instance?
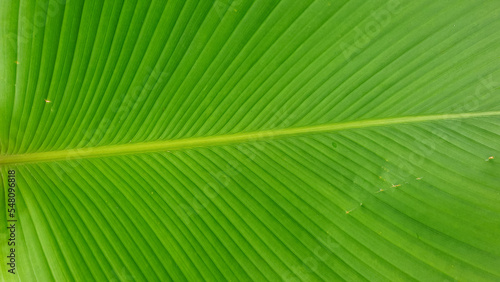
(209, 141)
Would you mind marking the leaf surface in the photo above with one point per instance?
(251, 140)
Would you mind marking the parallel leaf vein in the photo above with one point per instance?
(209, 141)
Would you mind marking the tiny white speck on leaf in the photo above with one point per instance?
(47, 101)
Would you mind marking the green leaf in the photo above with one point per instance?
(250, 140)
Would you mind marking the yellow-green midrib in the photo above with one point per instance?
(208, 141)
